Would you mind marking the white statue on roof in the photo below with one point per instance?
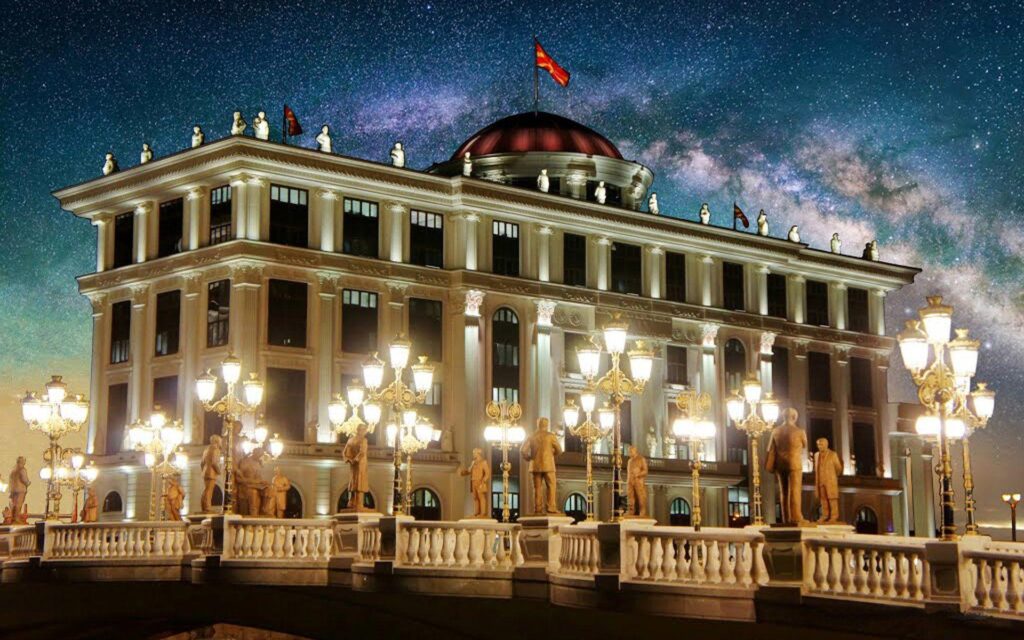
(323, 139)
(110, 165)
(261, 126)
(146, 155)
(762, 223)
(600, 192)
(794, 234)
(197, 136)
(652, 204)
(871, 251)
(397, 155)
(705, 214)
(238, 124)
(467, 165)
(837, 244)
(543, 182)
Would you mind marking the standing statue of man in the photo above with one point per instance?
(601, 193)
(323, 140)
(210, 465)
(174, 498)
(249, 483)
(198, 137)
(260, 126)
(543, 182)
(91, 506)
(281, 484)
(541, 449)
(467, 165)
(479, 473)
(17, 485)
(397, 155)
(354, 454)
(636, 479)
(827, 468)
(786, 459)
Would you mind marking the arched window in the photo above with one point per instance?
(425, 504)
(293, 503)
(368, 501)
(112, 503)
(735, 370)
(867, 521)
(679, 513)
(576, 507)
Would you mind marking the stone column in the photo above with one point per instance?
(193, 208)
(709, 383)
(604, 267)
(798, 378)
(837, 306)
(140, 352)
(796, 299)
(325, 352)
(327, 207)
(543, 379)
(841, 397)
(474, 362)
(876, 312)
(760, 290)
(192, 341)
(245, 321)
(707, 267)
(653, 283)
(100, 358)
(239, 206)
(544, 253)
(104, 241)
(143, 213)
(471, 227)
(395, 226)
(257, 203)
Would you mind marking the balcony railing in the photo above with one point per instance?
(680, 555)
(482, 546)
(277, 539)
(867, 567)
(120, 541)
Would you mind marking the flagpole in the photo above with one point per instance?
(284, 127)
(536, 78)
(733, 215)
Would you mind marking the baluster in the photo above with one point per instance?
(277, 549)
(835, 570)
(488, 552)
(860, 580)
(875, 573)
(914, 583)
(436, 546)
(644, 558)
(1013, 587)
(670, 563)
(632, 559)
(746, 567)
(448, 554)
(499, 543)
(413, 546)
(657, 557)
(981, 589)
(517, 554)
(811, 565)
(713, 570)
(426, 546)
(999, 585)
(462, 546)
(887, 571)
(901, 575)
(684, 556)
(476, 548)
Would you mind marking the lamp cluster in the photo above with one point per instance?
(504, 432)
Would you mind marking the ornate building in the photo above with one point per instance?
(302, 263)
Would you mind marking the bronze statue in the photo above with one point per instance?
(541, 449)
(479, 473)
(354, 454)
(785, 459)
(91, 506)
(280, 484)
(249, 483)
(827, 469)
(174, 498)
(210, 465)
(636, 476)
(18, 487)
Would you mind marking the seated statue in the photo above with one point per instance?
(146, 155)
(238, 125)
(705, 214)
(198, 137)
(110, 164)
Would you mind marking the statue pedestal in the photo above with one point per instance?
(346, 543)
(541, 547)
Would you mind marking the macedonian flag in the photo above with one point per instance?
(546, 62)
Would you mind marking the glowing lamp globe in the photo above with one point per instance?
(752, 389)
(409, 418)
(937, 319)
(590, 360)
(423, 375)
(206, 387)
(253, 389)
(356, 393)
(392, 434)
(516, 434)
(371, 411)
(181, 460)
(963, 353)
(90, 473)
(571, 414)
(734, 406)
(615, 337)
(30, 407)
(641, 361)
(682, 428)
(261, 432)
(337, 410)
(276, 446)
(769, 408)
(492, 433)
(606, 417)
(424, 431)
(588, 401)
(46, 473)
(704, 429)
(77, 460)
(913, 345)
(399, 350)
(373, 372)
(56, 390)
(984, 400)
(927, 425)
(231, 369)
(158, 419)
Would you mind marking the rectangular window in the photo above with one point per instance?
(675, 277)
(819, 378)
(286, 314)
(426, 328)
(170, 228)
(361, 228)
(117, 417)
(736, 446)
(120, 331)
(426, 239)
(218, 313)
(857, 309)
(168, 322)
(220, 214)
(866, 462)
(820, 428)
(574, 260)
(817, 303)
(732, 286)
(861, 394)
(505, 248)
(286, 402)
(739, 506)
(289, 216)
(358, 321)
(626, 269)
(165, 396)
(780, 373)
(124, 239)
(777, 297)
(431, 410)
(675, 365)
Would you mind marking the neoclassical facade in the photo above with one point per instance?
(303, 263)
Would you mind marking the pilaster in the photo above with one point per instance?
(257, 208)
(394, 321)
(837, 305)
(767, 345)
(100, 357)
(603, 251)
(544, 234)
(798, 378)
(543, 377)
(709, 382)
(139, 352)
(193, 224)
(474, 359)
(841, 397)
(796, 299)
(886, 422)
(245, 322)
(707, 268)
(191, 343)
(395, 226)
(239, 205)
(654, 271)
(876, 312)
(327, 310)
(143, 216)
(104, 241)
(760, 289)
(327, 213)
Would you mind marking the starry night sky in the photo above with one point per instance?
(896, 121)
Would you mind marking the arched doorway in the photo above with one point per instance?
(293, 503)
(679, 513)
(112, 503)
(867, 521)
(368, 501)
(425, 505)
(576, 507)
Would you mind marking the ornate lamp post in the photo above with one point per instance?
(503, 432)
(55, 414)
(590, 433)
(1012, 499)
(943, 390)
(411, 436)
(695, 429)
(754, 425)
(337, 410)
(398, 395)
(74, 474)
(158, 440)
(618, 387)
(231, 409)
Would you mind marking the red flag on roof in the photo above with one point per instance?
(292, 122)
(737, 214)
(546, 62)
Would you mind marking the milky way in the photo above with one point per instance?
(901, 123)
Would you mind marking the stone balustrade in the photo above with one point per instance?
(580, 550)
(680, 555)
(992, 580)
(274, 539)
(467, 544)
(883, 569)
(115, 541)
(17, 541)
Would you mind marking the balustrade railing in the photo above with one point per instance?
(368, 542)
(115, 541)
(580, 550)
(277, 539)
(458, 545)
(867, 567)
(680, 555)
(992, 580)
(18, 541)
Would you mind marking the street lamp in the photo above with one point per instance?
(412, 435)
(1012, 499)
(73, 474)
(55, 414)
(399, 396)
(231, 409)
(158, 440)
(618, 387)
(503, 432)
(754, 425)
(589, 432)
(693, 427)
(944, 390)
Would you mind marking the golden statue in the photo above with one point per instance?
(827, 469)
(91, 506)
(210, 465)
(479, 473)
(785, 459)
(17, 486)
(281, 484)
(174, 498)
(636, 478)
(541, 449)
(355, 454)
(249, 483)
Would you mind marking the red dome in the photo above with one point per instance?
(537, 131)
